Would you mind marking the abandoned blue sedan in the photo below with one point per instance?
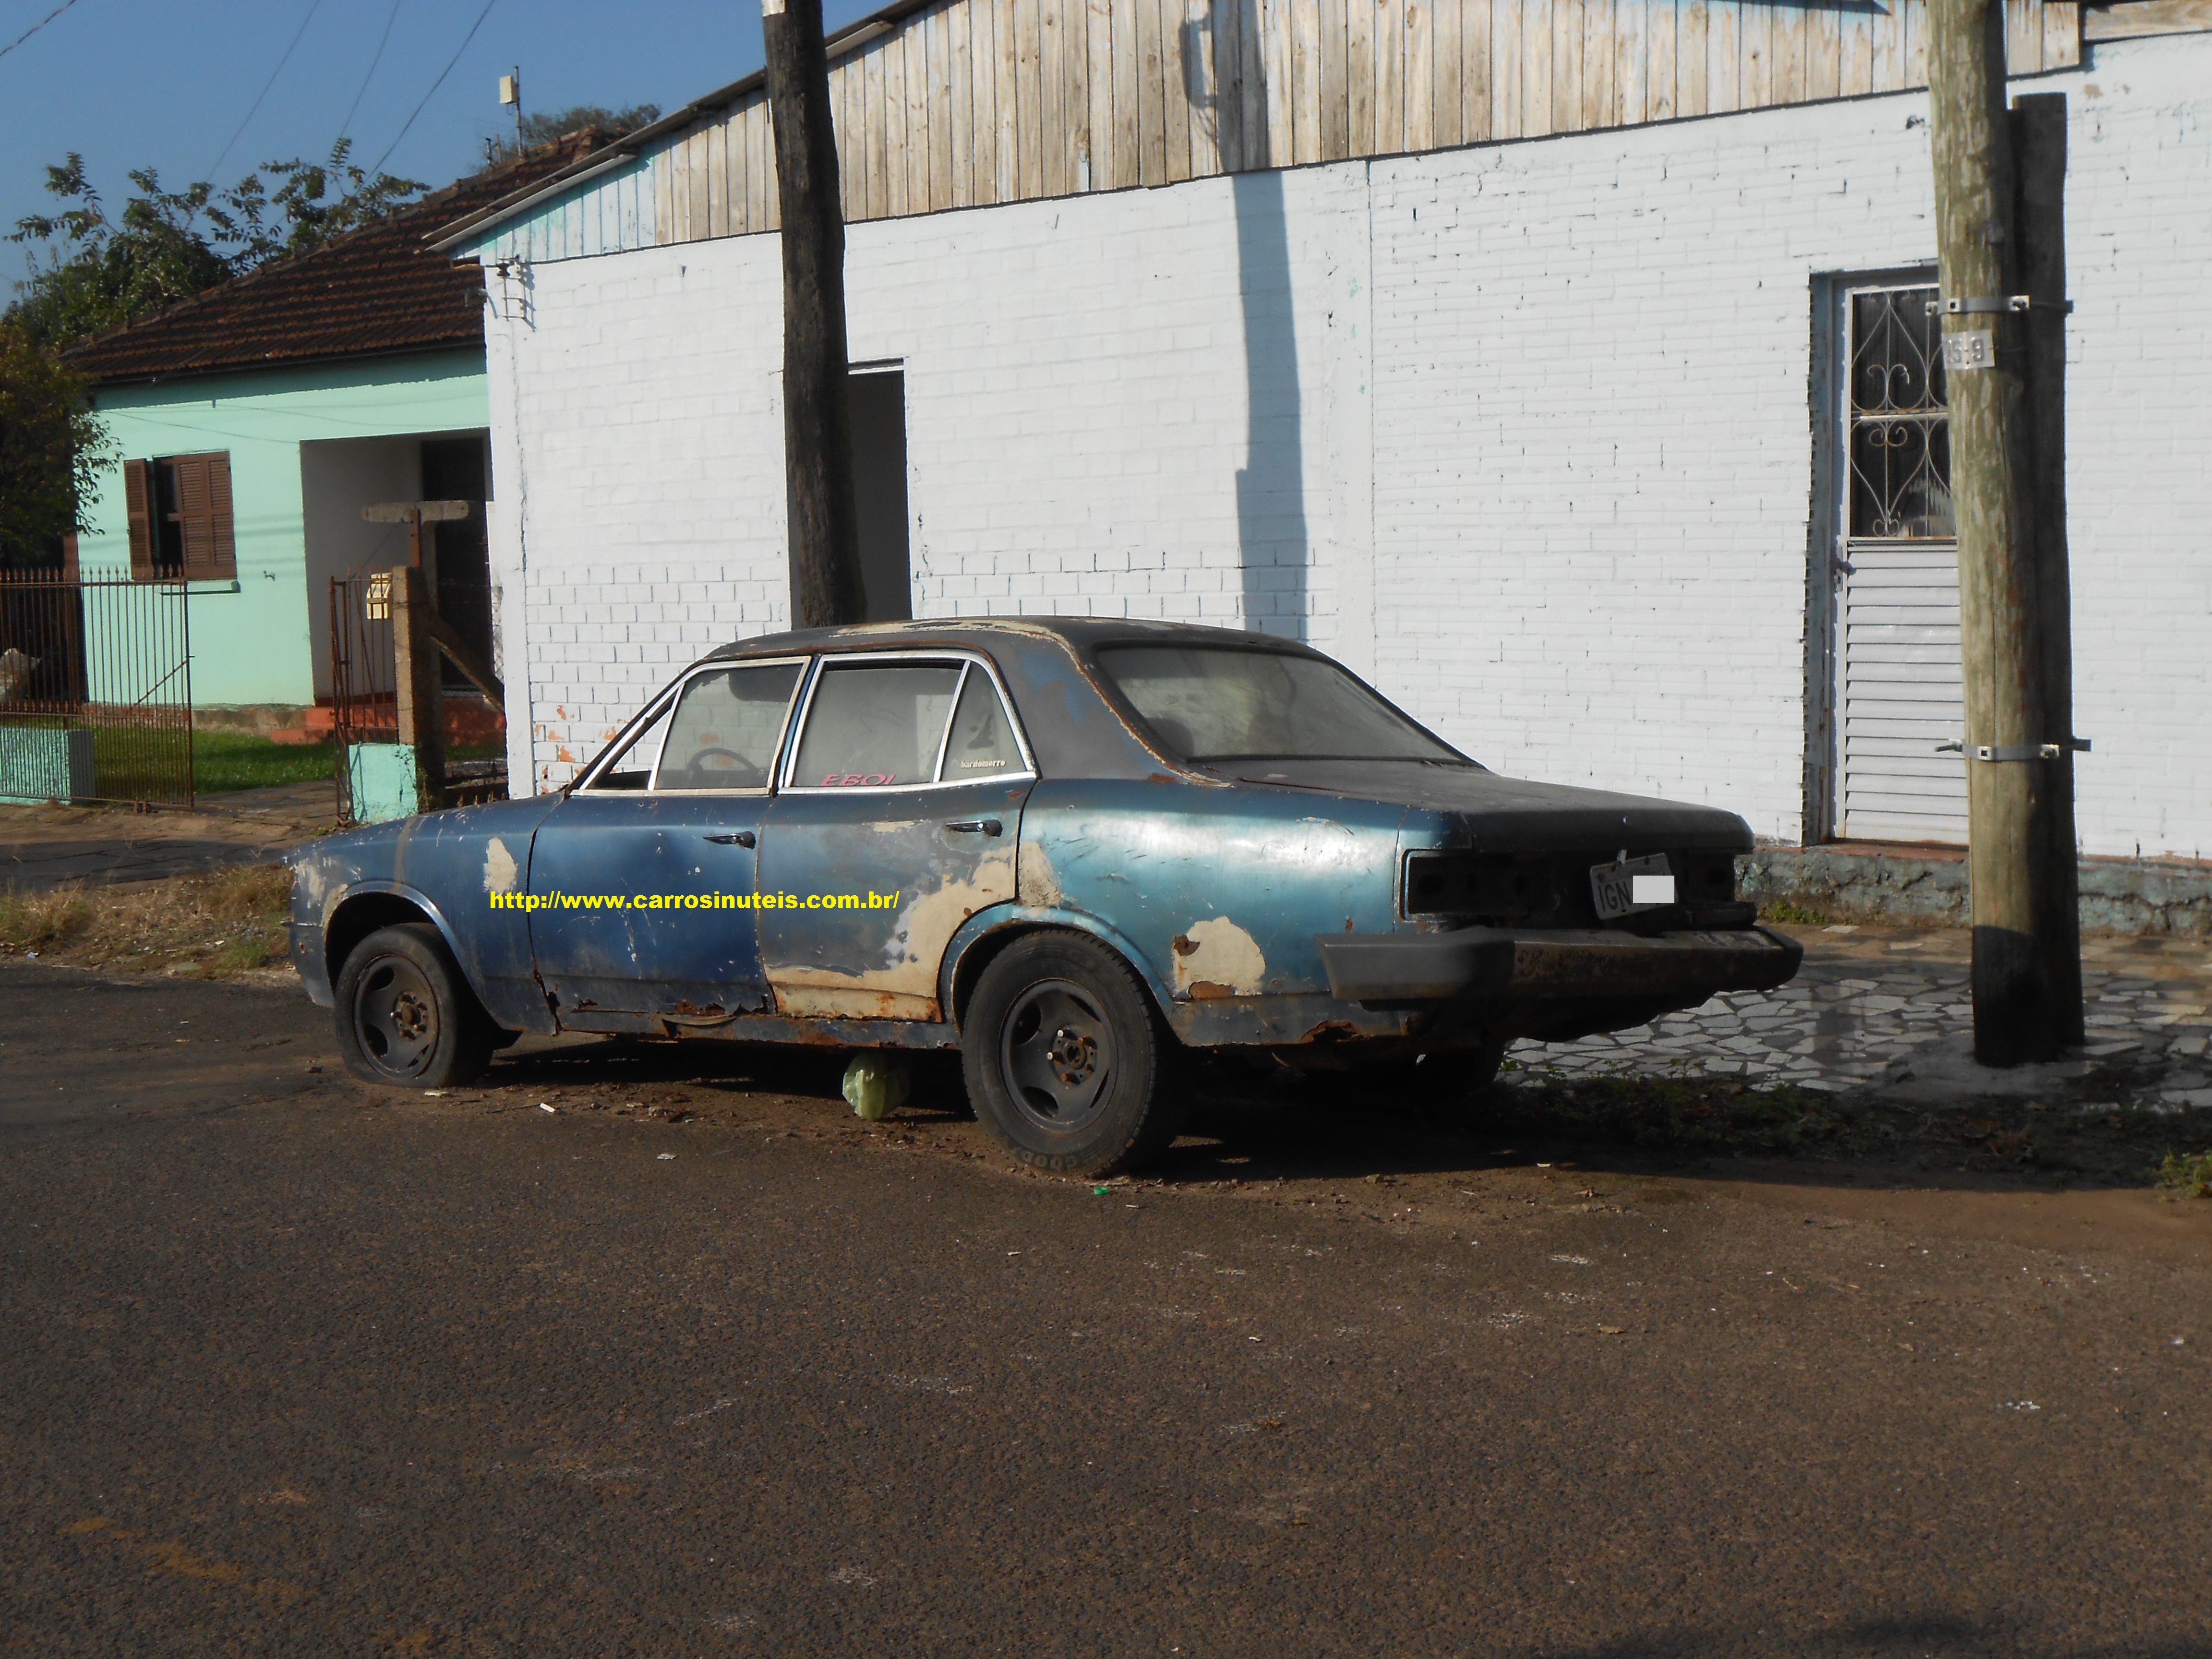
(1073, 849)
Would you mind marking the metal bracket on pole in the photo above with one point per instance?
(2015, 751)
(1995, 305)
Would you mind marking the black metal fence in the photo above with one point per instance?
(95, 687)
(364, 687)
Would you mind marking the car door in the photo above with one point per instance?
(642, 881)
(897, 820)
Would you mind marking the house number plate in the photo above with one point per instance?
(1970, 348)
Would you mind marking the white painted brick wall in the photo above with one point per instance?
(1534, 444)
(2139, 443)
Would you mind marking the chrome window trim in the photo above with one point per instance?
(666, 701)
(922, 657)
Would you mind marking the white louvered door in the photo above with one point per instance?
(1898, 693)
(1901, 695)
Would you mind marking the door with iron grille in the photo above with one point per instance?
(1900, 694)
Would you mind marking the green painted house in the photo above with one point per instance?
(256, 419)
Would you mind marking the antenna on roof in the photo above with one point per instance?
(510, 92)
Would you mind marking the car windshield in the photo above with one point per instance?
(1217, 702)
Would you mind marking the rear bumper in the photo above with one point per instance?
(1402, 971)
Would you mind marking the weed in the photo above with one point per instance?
(1687, 1111)
(32, 921)
(1793, 914)
(236, 955)
(2189, 1173)
(210, 926)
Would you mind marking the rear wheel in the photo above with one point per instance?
(405, 1016)
(1065, 1060)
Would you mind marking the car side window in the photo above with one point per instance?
(632, 767)
(875, 725)
(982, 743)
(726, 726)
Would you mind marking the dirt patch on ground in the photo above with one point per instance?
(229, 925)
(1518, 1158)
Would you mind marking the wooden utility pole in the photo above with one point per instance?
(2009, 773)
(2038, 137)
(418, 681)
(419, 636)
(826, 586)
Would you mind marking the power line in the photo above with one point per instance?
(389, 18)
(298, 34)
(36, 27)
(435, 85)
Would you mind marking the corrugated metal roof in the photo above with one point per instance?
(370, 291)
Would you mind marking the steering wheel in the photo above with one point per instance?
(702, 773)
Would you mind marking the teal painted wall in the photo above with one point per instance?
(253, 640)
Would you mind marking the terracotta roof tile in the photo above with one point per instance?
(372, 290)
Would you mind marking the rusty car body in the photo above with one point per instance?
(1336, 888)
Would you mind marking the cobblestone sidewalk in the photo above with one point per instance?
(1888, 1008)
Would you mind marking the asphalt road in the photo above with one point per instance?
(695, 1365)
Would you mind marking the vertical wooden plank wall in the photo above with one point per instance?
(971, 102)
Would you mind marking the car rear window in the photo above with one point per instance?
(1216, 703)
(874, 724)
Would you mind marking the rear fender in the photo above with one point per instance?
(990, 930)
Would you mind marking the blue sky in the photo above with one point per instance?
(166, 83)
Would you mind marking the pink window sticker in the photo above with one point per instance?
(857, 779)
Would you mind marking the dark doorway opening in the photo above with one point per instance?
(878, 398)
(455, 470)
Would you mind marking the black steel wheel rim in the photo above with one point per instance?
(1056, 1056)
(395, 1016)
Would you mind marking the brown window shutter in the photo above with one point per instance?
(222, 530)
(138, 504)
(195, 520)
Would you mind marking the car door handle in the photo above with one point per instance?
(735, 838)
(977, 826)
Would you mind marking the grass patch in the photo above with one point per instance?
(210, 927)
(1792, 913)
(2187, 1173)
(223, 761)
(1688, 1114)
(130, 763)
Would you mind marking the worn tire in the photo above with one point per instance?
(406, 1018)
(1065, 1060)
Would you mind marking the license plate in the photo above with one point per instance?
(1630, 886)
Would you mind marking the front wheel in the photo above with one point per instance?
(1064, 1058)
(407, 1018)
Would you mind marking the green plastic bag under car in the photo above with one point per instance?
(877, 1085)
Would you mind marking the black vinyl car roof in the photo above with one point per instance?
(1076, 723)
(1081, 634)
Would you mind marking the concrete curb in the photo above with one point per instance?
(1929, 885)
